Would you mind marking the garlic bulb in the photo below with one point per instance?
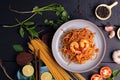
(116, 56)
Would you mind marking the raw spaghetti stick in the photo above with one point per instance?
(62, 72)
(46, 61)
(58, 67)
(49, 59)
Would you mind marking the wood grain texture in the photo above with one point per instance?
(77, 9)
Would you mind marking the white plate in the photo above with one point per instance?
(99, 41)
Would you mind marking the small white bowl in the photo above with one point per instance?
(118, 33)
(109, 7)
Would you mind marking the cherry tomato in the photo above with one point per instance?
(96, 77)
(105, 72)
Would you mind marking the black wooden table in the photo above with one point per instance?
(77, 9)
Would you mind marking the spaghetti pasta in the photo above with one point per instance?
(78, 45)
(46, 56)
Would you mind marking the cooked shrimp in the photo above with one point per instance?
(74, 45)
(78, 45)
(84, 43)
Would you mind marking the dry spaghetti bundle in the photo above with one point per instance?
(45, 55)
(78, 45)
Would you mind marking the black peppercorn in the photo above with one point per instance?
(103, 12)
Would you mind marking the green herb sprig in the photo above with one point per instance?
(114, 74)
(18, 47)
(27, 25)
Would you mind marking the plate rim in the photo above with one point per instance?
(103, 38)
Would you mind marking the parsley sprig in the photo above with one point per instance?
(29, 26)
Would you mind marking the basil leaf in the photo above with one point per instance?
(109, 79)
(21, 31)
(64, 13)
(60, 8)
(18, 47)
(29, 23)
(57, 13)
(116, 72)
(33, 32)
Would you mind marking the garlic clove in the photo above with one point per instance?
(112, 34)
(109, 28)
(116, 56)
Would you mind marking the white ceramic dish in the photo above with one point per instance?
(99, 41)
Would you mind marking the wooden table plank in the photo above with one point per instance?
(77, 9)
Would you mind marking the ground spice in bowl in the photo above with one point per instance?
(103, 12)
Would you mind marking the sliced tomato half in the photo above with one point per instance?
(105, 72)
(96, 77)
